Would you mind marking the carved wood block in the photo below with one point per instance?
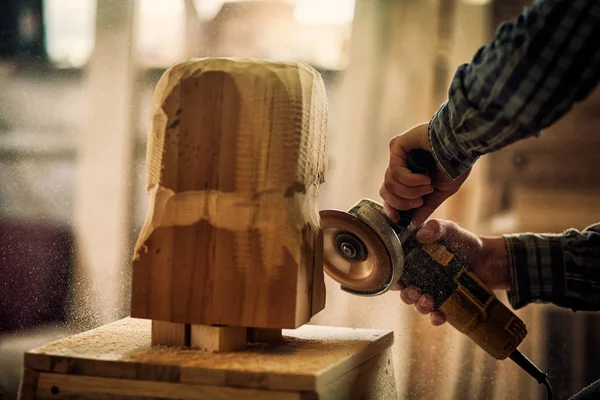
(236, 154)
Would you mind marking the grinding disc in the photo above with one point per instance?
(370, 275)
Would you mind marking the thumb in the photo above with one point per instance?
(431, 202)
(431, 232)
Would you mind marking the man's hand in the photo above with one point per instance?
(403, 190)
(485, 256)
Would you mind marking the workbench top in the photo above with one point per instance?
(308, 359)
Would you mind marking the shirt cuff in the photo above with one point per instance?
(450, 156)
(530, 260)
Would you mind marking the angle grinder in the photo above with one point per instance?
(366, 252)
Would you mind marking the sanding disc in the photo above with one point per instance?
(343, 261)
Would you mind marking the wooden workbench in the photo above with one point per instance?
(117, 361)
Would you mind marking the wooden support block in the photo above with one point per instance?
(262, 335)
(235, 158)
(118, 361)
(170, 333)
(218, 338)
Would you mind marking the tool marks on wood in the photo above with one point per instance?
(237, 152)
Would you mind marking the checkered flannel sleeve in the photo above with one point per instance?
(527, 77)
(562, 269)
(532, 72)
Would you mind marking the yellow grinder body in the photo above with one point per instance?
(367, 253)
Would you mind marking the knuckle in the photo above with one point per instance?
(419, 307)
(398, 175)
(435, 225)
(451, 229)
(400, 204)
(389, 186)
(383, 192)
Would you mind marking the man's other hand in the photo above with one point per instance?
(485, 256)
(403, 190)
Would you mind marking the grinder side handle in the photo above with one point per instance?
(419, 161)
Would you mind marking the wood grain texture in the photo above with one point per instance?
(218, 338)
(170, 333)
(235, 157)
(372, 380)
(60, 386)
(307, 360)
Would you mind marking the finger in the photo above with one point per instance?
(391, 212)
(414, 138)
(406, 192)
(430, 203)
(410, 295)
(401, 173)
(398, 202)
(432, 231)
(397, 286)
(425, 304)
(437, 318)
(402, 190)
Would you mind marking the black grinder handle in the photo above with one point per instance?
(418, 161)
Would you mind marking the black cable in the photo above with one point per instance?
(529, 367)
(548, 388)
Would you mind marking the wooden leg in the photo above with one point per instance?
(170, 333)
(262, 335)
(218, 338)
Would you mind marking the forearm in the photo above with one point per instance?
(531, 74)
(496, 267)
(562, 269)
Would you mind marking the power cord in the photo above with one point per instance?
(548, 388)
(528, 366)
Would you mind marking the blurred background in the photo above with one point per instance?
(76, 85)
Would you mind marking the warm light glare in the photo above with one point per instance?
(69, 28)
(161, 35)
(324, 12)
(208, 9)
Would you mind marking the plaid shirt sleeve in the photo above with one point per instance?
(562, 269)
(527, 77)
(532, 72)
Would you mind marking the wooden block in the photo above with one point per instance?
(218, 338)
(170, 333)
(262, 335)
(311, 362)
(235, 158)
